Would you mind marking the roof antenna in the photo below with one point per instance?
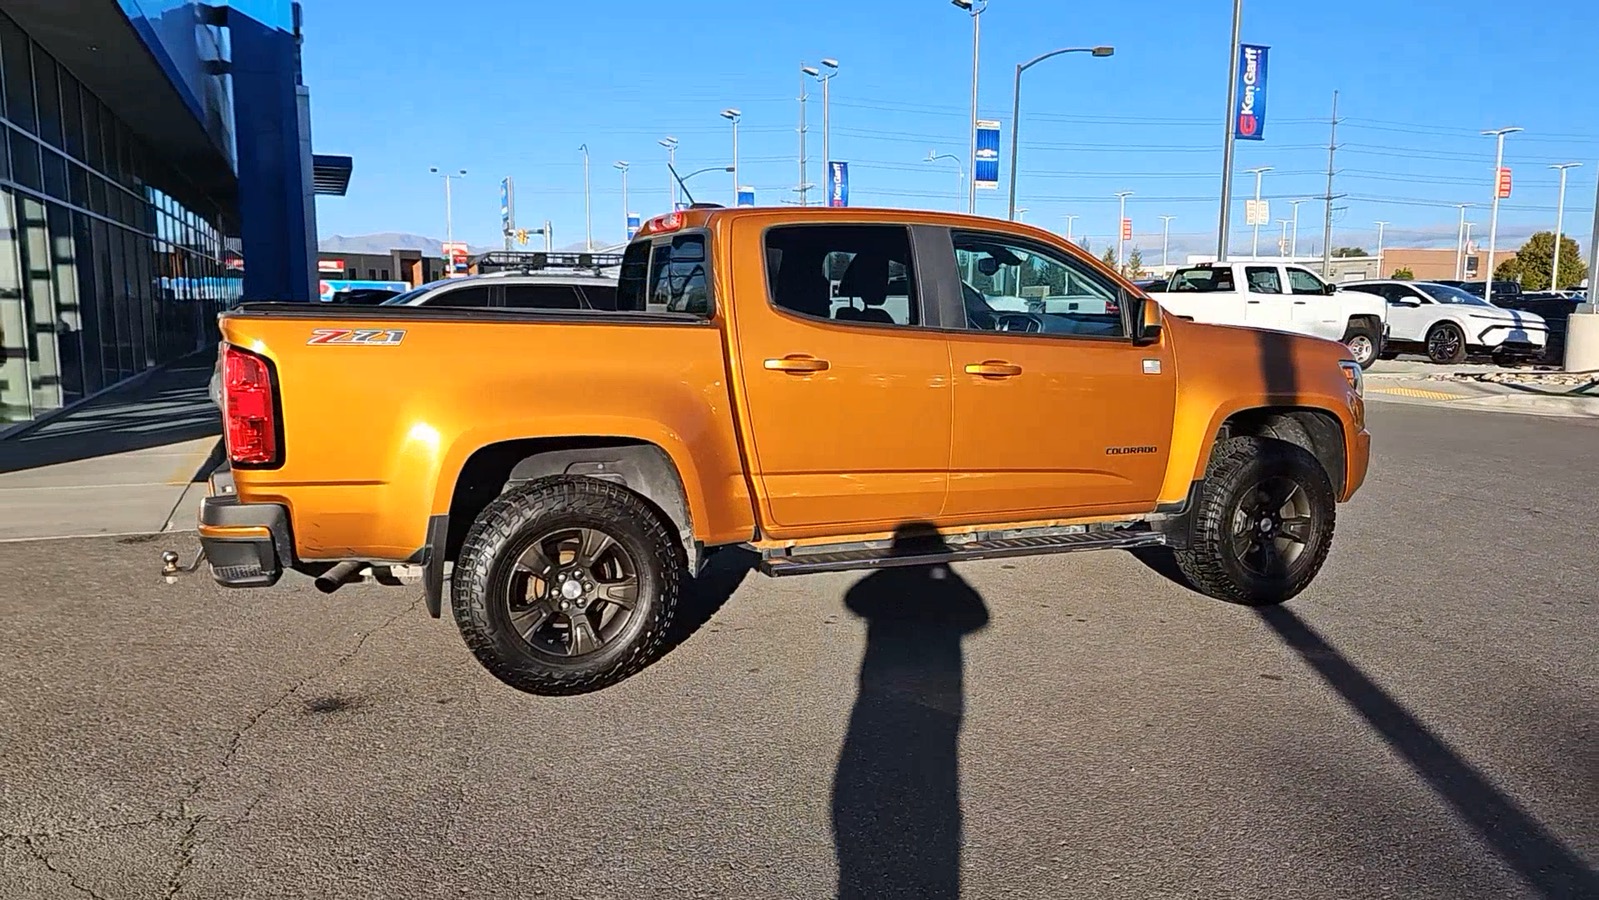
(681, 184)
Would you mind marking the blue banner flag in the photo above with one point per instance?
(985, 169)
(632, 225)
(505, 203)
(1249, 119)
(746, 196)
(837, 183)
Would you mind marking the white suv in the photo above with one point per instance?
(1448, 324)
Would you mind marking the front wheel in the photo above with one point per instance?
(566, 585)
(1263, 523)
(1363, 342)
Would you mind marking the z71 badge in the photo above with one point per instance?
(382, 337)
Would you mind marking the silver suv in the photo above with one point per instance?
(574, 289)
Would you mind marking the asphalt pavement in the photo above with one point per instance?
(1423, 722)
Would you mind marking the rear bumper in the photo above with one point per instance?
(246, 544)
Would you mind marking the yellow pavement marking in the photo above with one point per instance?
(1420, 393)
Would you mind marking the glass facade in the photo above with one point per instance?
(104, 273)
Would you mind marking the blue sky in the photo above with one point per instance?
(507, 87)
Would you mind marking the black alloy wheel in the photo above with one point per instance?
(573, 591)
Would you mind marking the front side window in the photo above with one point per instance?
(844, 273)
(1263, 280)
(471, 297)
(1302, 282)
(1011, 285)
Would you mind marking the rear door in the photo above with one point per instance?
(1266, 303)
(846, 380)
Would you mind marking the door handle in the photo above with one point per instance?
(1299, 303)
(798, 364)
(1253, 302)
(993, 368)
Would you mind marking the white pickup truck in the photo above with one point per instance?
(1278, 297)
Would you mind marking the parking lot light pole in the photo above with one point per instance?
(1257, 172)
(670, 143)
(1121, 243)
(1493, 218)
(1460, 242)
(1380, 227)
(1293, 247)
(1165, 242)
(1016, 108)
(733, 115)
(1070, 218)
(1282, 242)
(824, 75)
(588, 214)
(449, 225)
(975, 9)
(621, 166)
(1560, 217)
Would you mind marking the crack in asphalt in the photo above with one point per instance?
(43, 857)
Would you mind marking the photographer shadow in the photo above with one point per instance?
(896, 791)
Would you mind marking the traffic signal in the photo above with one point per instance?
(521, 235)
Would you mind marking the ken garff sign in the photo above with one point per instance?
(837, 183)
(985, 169)
(1249, 119)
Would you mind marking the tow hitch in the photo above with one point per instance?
(170, 570)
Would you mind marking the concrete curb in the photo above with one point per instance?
(1521, 403)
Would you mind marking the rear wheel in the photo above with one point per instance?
(1446, 344)
(566, 585)
(1263, 523)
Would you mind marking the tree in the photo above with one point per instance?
(1532, 262)
(1403, 273)
(1109, 257)
(1135, 264)
(1342, 252)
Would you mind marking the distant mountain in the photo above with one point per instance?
(383, 242)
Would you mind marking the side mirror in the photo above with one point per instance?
(1145, 318)
(1331, 289)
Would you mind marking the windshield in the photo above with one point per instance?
(1443, 293)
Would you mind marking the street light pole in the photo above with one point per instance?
(1121, 242)
(1380, 227)
(960, 170)
(449, 225)
(802, 187)
(588, 215)
(1493, 218)
(975, 9)
(733, 115)
(1069, 220)
(1560, 216)
(1016, 109)
(1293, 248)
(670, 143)
(621, 166)
(1460, 242)
(1225, 223)
(1282, 242)
(1165, 242)
(1257, 172)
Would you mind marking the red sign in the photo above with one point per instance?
(1127, 229)
(330, 265)
(455, 255)
(1504, 182)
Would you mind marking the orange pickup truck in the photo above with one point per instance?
(819, 385)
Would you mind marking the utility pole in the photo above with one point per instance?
(1225, 223)
(1460, 242)
(1165, 243)
(1121, 243)
(1493, 218)
(588, 213)
(1560, 216)
(802, 187)
(1326, 228)
(1380, 270)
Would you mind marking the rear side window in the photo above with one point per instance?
(1264, 280)
(474, 296)
(542, 296)
(600, 296)
(845, 273)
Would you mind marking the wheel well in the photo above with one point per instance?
(1316, 431)
(641, 467)
(1366, 321)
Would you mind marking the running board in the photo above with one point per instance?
(815, 561)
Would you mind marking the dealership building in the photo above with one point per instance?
(155, 167)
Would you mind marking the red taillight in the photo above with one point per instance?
(249, 408)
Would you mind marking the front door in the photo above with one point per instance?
(1056, 410)
(847, 388)
(1315, 311)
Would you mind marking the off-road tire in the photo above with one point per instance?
(1236, 466)
(508, 526)
(1438, 354)
(1372, 343)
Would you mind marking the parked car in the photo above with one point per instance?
(576, 290)
(1448, 324)
(1503, 290)
(805, 382)
(1286, 298)
(364, 296)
